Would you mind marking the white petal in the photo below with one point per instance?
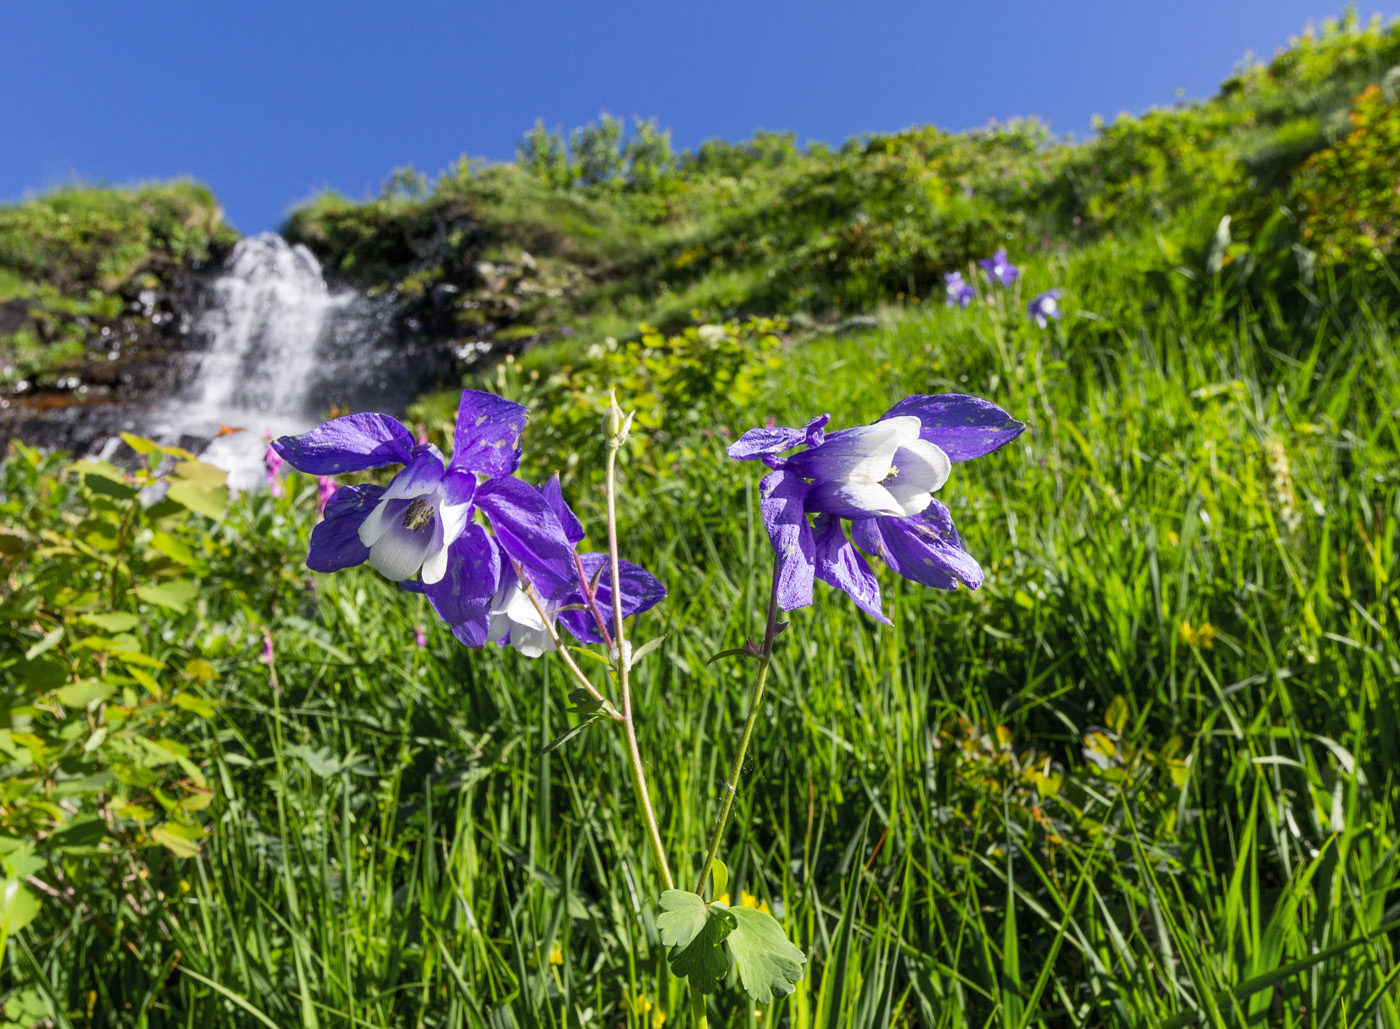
(909, 497)
(435, 564)
(855, 500)
(454, 519)
(922, 464)
(856, 455)
(530, 642)
(400, 551)
(376, 525)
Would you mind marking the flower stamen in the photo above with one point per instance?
(419, 515)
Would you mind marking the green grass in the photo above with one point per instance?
(390, 848)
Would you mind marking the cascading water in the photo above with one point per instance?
(282, 348)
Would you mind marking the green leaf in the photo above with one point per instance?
(193, 704)
(139, 443)
(645, 649)
(44, 644)
(85, 693)
(180, 847)
(703, 960)
(18, 906)
(569, 734)
(719, 875)
(768, 963)
(204, 475)
(81, 834)
(174, 595)
(117, 621)
(104, 478)
(210, 502)
(681, 919)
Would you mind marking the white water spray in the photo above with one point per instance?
(282, 347)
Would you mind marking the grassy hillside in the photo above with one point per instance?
(86, 273)
(1144, 777)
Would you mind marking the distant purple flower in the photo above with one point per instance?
(999, 269)
(325, 489)
(419, 637)
(272, 464)
(517, 622)
(267, 656)
(960, 291)
(881, 477)
(424, 520)
(1044, 307)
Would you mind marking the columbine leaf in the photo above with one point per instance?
(768, 963)
(681, 919)
(702, 960)
(645, 649)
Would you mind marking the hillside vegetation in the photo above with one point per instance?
(1145, 776)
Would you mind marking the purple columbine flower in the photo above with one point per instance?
(960, 291)
(423, 522)
(1044, 307)
(516, 621)
(999, 269)
(881, 478)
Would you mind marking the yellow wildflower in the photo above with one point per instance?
(723, 898)
(556, 956)
(1206, 635)
(1186, 634)
(748, 900)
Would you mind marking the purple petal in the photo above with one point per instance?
(463, 598)
(963, 427)
(839, 564)
(335, 543)
(421, 474)
(487, 439)
(758, 443)
(924, 547)
(791, 536)
(530, 533)
(553, 495)
(640, 592)
(349, 444)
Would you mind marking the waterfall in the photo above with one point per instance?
(281, 349)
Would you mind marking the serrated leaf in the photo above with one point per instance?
(703, 961)
(173, 595)
(768, 963)
(116, 621)
(645, 649)
(681, 919)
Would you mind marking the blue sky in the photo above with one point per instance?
(271, 102)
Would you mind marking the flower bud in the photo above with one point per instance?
(616, 424)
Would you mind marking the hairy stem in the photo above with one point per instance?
(731, 786)
(563, 651)
(620, 662)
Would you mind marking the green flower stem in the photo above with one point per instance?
(620, 663)
(731, 786)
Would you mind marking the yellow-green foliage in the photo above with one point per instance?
(1350, 193)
